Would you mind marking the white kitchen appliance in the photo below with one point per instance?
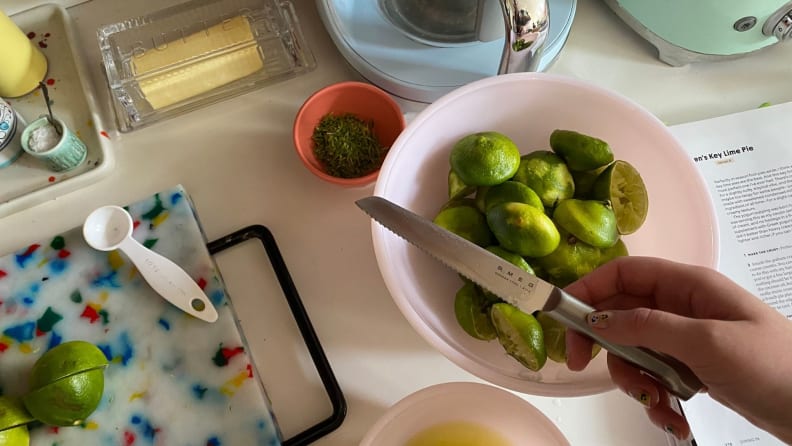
(387, 43)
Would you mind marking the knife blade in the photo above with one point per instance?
(522, 289)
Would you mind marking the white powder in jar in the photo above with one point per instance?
(43, 138)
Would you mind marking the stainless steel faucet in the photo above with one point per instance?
(527, 23)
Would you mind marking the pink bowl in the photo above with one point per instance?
(680, 226)
(510, 416)
(365, 101)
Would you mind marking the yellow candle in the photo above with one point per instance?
(24, 66)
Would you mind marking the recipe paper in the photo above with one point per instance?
(746, 161)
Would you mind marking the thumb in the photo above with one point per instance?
(658, 330)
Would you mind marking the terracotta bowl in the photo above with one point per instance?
(365, 101)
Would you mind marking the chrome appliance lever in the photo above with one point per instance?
(779, 23)
(527, 24)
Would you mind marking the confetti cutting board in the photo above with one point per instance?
(173, 379)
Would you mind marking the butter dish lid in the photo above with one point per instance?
(197, 53)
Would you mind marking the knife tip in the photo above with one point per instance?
(365, 203)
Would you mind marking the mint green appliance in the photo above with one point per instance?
(685, 31)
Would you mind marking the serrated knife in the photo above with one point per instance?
(522, 289)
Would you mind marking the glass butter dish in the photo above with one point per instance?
(197, 53)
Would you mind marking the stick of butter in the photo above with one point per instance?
(178, 70)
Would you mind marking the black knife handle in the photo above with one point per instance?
(674, 375)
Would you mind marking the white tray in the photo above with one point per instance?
(28, 182)
(14, 6)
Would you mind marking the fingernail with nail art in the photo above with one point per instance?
(598, 319)
(642, 396)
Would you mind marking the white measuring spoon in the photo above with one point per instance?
(110, 227)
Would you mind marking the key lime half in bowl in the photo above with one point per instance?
(528, 108)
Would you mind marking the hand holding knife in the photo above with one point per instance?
(522, 289)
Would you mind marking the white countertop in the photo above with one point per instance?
(237, 162)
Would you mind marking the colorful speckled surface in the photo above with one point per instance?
(172, 379)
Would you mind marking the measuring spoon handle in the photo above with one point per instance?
(169, 280)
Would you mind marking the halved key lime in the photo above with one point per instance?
(520, 334)
(523, 229)
(554, 337)
(463, 218)
(623, 186)
(510, 192)
(515, 259)
(480, 198)
(456, 187)
(580, 151)
(584, 181)
(471, 309)
(595, 349)
(592, 221)
(617, 250)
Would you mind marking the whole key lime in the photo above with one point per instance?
(548, 175)
(570, 261)
(68, 401)
(13, 413)
(66, 384)
(485, 158)
(13, 422)
(65, 359)
(15, 436)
